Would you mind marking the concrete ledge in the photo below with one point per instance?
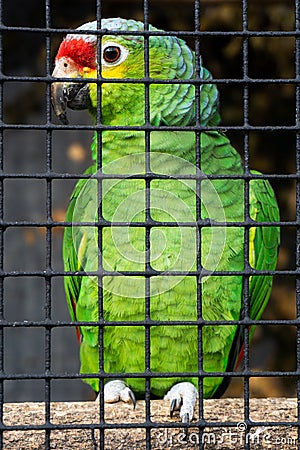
(74, 420)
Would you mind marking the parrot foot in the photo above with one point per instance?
(182, 396)
(116, 390)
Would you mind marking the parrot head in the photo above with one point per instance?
(117, 62)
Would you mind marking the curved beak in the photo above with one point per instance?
(74, 95)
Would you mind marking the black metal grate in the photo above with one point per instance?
(48, 322)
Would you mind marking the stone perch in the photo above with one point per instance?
(75, 431)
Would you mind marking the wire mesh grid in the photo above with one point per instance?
(49, 324)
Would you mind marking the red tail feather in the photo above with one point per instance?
(78, 333)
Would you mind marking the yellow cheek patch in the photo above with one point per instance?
(89, 73)
(107, 72)
(113, 72)
(87, 70)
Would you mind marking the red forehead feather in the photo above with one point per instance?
(83, 53)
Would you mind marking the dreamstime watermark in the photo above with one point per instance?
(235, 435)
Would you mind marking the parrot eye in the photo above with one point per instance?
(111, 54)
(114, 54)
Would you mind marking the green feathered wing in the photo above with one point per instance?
(264, 242)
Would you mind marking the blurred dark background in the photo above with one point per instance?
(274, 347)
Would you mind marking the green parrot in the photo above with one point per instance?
(158, 243)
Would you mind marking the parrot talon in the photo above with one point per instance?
(132, 398)
(173, 406)
(182, 396)
(116, 390)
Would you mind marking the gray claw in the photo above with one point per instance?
(172, 407)
(132, 397)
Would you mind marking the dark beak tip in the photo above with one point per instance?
(59, 102)
(63, 118)
(73, 95)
